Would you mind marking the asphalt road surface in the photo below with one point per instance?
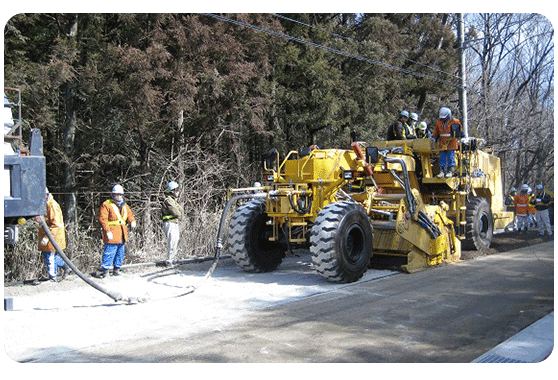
(448, 314)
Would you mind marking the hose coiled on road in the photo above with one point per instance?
(116, 296)
(219, 242)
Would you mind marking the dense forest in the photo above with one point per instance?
(143, 99)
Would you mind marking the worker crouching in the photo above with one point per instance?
(114, 216)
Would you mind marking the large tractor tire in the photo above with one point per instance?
(341, 242)
(479, 226)
(248, 241)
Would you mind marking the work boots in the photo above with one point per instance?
(65, 271)
(101, 273)
(116, 272)
(449, 173)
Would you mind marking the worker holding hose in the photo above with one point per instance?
(114, 216)
(55, 223)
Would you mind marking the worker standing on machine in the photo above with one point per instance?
(397, 130)
(172, 214)
(447, 131)
(411, 134)
(422, 131)
(55, 223)
(114, 216)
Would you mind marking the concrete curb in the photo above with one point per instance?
(531, 345)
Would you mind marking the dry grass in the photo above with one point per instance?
(202, 178)
(24, 261)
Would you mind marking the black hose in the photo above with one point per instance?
(422, 216)
(432, 228)
(407, 184)
(115, 296)
(307, 201)
(219, 242)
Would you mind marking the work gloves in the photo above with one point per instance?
(44, 241)
(110, 235)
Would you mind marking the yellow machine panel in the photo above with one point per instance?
(379, 201)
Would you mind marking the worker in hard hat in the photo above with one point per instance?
(508, 201)
(172, 213)
(532, 218)
(422, 131)
(55, 222)
(447, 131)
(115, 214)
(541, 202)
(411, 125)
(397, 130)
(521, 202)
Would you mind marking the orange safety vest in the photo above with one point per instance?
(113, 220)
(521, 203)
(442, 132)
(55, 223)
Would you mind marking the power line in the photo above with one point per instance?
(359, 43)
(330, 49)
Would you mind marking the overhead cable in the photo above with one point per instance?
(357, 42)
(330, 49)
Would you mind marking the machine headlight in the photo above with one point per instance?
(348, 175)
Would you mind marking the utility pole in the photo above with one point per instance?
(462, 76)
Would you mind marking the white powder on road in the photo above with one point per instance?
(55, 320)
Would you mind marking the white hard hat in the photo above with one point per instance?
(525, 187)
(445, 112)
(117, 189)
(539, 187)
(172, 185)
(414, 116)
(404, 113)
(422, 126)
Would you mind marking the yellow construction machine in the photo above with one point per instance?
(374, 201)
